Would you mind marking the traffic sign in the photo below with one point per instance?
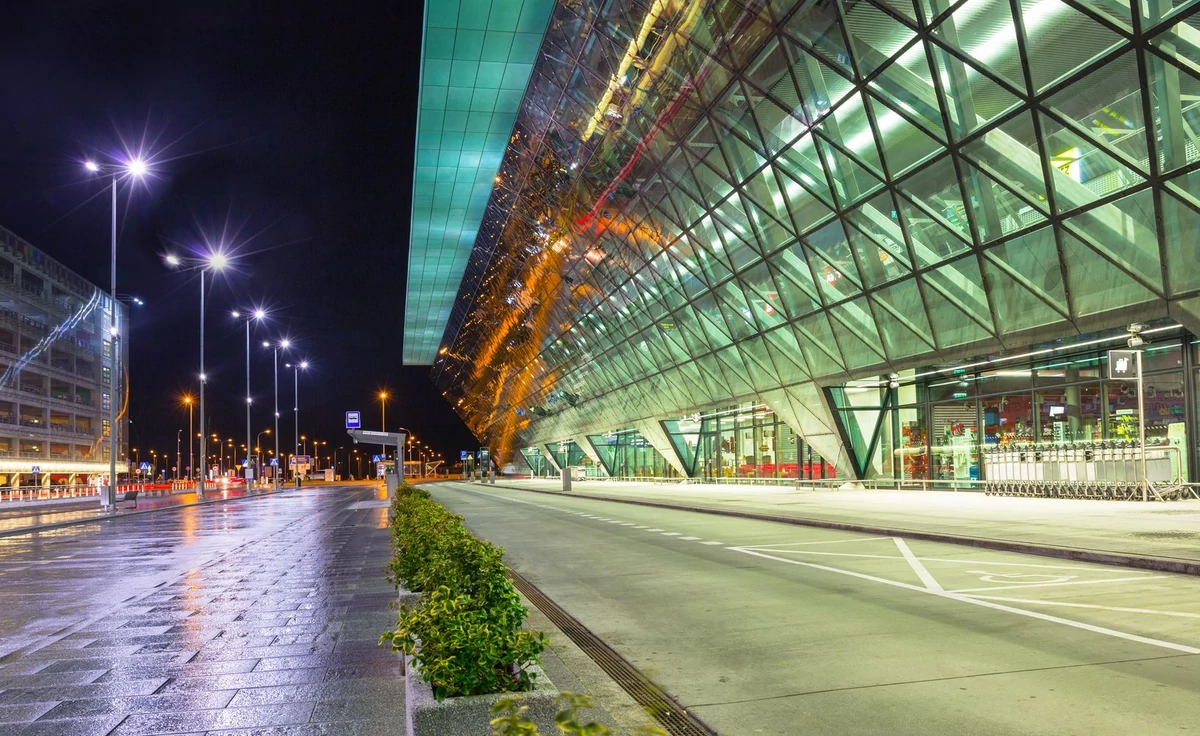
(37, 469)
(274, 462)
(464, 454)
(376, 458)
(144, 466)
(1122, 365)
(353, 420)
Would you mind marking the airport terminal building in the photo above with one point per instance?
(759, 239)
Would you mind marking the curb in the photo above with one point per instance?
(1158, 564)
(75, 522)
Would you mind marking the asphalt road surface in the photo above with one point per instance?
(765, 628)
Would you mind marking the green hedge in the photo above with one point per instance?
(466, 636)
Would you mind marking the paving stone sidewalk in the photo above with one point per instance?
(276, 633)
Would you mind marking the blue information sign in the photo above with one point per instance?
(37, 469)
(465, 455)
(274, 462)
(353, 420)
(144, 466)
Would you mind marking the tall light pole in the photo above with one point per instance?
(191, 437)
(259, 315)
(296, 415)
(135, 168)
(383, 397)
(178, 453)
(281, 344)
(215, 261)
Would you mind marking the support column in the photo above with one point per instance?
(653, 431)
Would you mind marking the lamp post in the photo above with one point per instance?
(134, 168)
(296, 414)
(383, 397)
(191, 437)
(215, 261)
(178, 453)
(258, 449)
(258, 315)
(281, 344)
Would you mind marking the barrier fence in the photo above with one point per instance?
(58, 492)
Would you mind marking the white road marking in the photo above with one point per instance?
(670, 534)
(978, 602)
(626, 523)
(1055, 585)
(824, 541)
(641, 526)
(615, 521)
(829, 554)
(654, 529)
(689, 539)
(930, 581)
(714, 544)
(1122, 609)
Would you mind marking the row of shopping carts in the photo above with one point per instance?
(1107, 469)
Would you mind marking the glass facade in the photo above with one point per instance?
(705, 205)
(626, 454)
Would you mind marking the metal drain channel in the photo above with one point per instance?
(662, 707)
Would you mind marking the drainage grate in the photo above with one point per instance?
(669, 714)
(1166, 535)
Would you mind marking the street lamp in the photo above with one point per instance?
(134, 168)
(383, 397)
(258, 447)
(296, 414)
(281, 344)
(258, 315)
(191, 437)
(214, 261)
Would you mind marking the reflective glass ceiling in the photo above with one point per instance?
(476, 60)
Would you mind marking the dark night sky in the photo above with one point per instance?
(290, 124)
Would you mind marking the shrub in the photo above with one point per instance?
(463, 649)
(510, 720)
(466, 634)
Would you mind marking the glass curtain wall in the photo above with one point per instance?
(539, 465)
(930, 428)
(568, 453)
(739, 445)
(627, 454)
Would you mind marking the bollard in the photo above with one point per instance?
(566, 479)
(492, 477)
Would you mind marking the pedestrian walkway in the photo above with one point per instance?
(230, 618)
(1159, 531)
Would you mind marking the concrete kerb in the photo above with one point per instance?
(470, 715)
(123, 514)
(1157, 564)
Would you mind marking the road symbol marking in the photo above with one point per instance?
(1019, 577)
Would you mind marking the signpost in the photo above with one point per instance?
(386, 439)
(353, 420)
(1126, 365)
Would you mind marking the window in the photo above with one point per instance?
(107, 428)
(106, 372)
(107, 352)
(106, 400)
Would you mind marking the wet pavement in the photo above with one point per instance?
(253, 615)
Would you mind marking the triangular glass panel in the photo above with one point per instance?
(759, 286)
(758, 360)
(903, 300)
(876, 36)
(818, 86)
(936, 187)
(1097, 285)
(1181, 227)
(975, 100)
(849, 129)
(1082, 171)
(709, 317)
(961, 282)
(820, 347)
(951, 325)
(801, 163)
(798, 295)
(899, 340)
(807, 210)
(1033, 260)
(1173, 135)
(853, 181)
(878, 265)
(995, 210)
(1009, 153)
(904, 144)
(736, 311)
(735, 372)
(984, 32)
(858, 336)
(785, 351)
(837, 273)
(930, 238)
(1125, 231)
(1044, 21)
(1017, 307)
(772, 222)
(819, 29)
(1115, 123)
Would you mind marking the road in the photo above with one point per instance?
(223, 618)
(765, 628)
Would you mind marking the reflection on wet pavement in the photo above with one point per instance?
(231, 618)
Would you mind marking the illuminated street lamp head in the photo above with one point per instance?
(266, 344)
(218, 261)
(136, 167)
(172, 259)
(260, 314)
(236, 314)
(285, 343)
(91, 166)
(383, 394)
(304, 364)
